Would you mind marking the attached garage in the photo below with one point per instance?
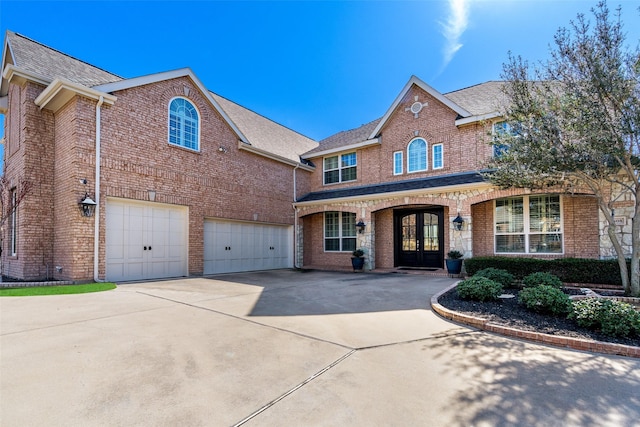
(145, 240)
(231, 246)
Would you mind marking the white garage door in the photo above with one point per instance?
(238, 246)
(145, 240)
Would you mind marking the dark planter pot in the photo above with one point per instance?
(454, 266)
(357, 263)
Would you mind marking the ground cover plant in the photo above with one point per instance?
(57, 290)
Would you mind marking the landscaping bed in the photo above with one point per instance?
(508, 312)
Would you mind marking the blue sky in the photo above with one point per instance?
(315, 67)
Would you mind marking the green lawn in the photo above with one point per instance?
(57, 290)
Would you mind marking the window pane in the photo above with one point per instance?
(331, 225)
(349, 244)
(437, 156)
(331, 177)
(417, 156)
(409, 233)
(544, 214)
(545, 243)
(397, 163)
(349, 174)
(349, 159)
(348, 224)
(509, 216)
(511, 243)
(331, 163)
(331, 244)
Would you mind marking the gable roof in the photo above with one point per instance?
(479, 102)
(30, 59)
(41, 60)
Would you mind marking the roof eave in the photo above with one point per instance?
(250, 148)
(363, 144)
(19, 76)
(395, 194)
(478, 118)
(60, 91)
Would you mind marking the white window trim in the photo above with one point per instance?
(340, 236)
(339, 168)
(527, 226)
(433, 156)
(426, 155)
(401, 153)
(169, 124)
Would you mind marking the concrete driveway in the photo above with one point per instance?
(285, 348)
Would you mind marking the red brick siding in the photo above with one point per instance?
(464, 148)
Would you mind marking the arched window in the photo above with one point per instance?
(417, 155)
(184, 124)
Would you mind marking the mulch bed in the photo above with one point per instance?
(508, 312)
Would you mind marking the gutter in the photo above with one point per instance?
(96, 230)
(295, 220)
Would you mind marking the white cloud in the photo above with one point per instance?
(454, 27)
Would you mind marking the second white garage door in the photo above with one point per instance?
(231, 246)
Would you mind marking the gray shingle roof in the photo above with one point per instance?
(392, 187)
(346, 137)
(266, 134)
(37, 58)
(480, 99)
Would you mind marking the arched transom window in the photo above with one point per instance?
(184, 124)
(417, 155)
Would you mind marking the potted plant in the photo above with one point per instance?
(357, 260)
(454, 262)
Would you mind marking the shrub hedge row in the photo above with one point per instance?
(569, 270)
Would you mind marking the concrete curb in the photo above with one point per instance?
(555, 340)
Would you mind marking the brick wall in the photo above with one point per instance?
(464, 148)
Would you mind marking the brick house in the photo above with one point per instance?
(179, 173)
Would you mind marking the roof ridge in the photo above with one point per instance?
(477, 84)
(64, 54)
(261, 115)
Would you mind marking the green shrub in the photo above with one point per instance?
(497, 275)
(479, 289)
(569, 270)
(612, 317)
(545, 299)
(541, 278)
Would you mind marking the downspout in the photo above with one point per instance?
(295, 220)
(96, 231)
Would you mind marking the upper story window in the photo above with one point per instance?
(339, 231)
(397, 163)
(528, 224)
(184, 124)
(500, 129)
(437, 160)
(417, 155)
(340, 168)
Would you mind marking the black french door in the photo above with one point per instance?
(419, 238)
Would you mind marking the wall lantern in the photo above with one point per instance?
(457, 223)
(87, 205)
(360, 226)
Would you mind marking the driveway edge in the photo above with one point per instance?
(555, 340)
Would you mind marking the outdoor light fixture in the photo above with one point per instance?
(360, 226)
(87, 205)
(457, 223)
